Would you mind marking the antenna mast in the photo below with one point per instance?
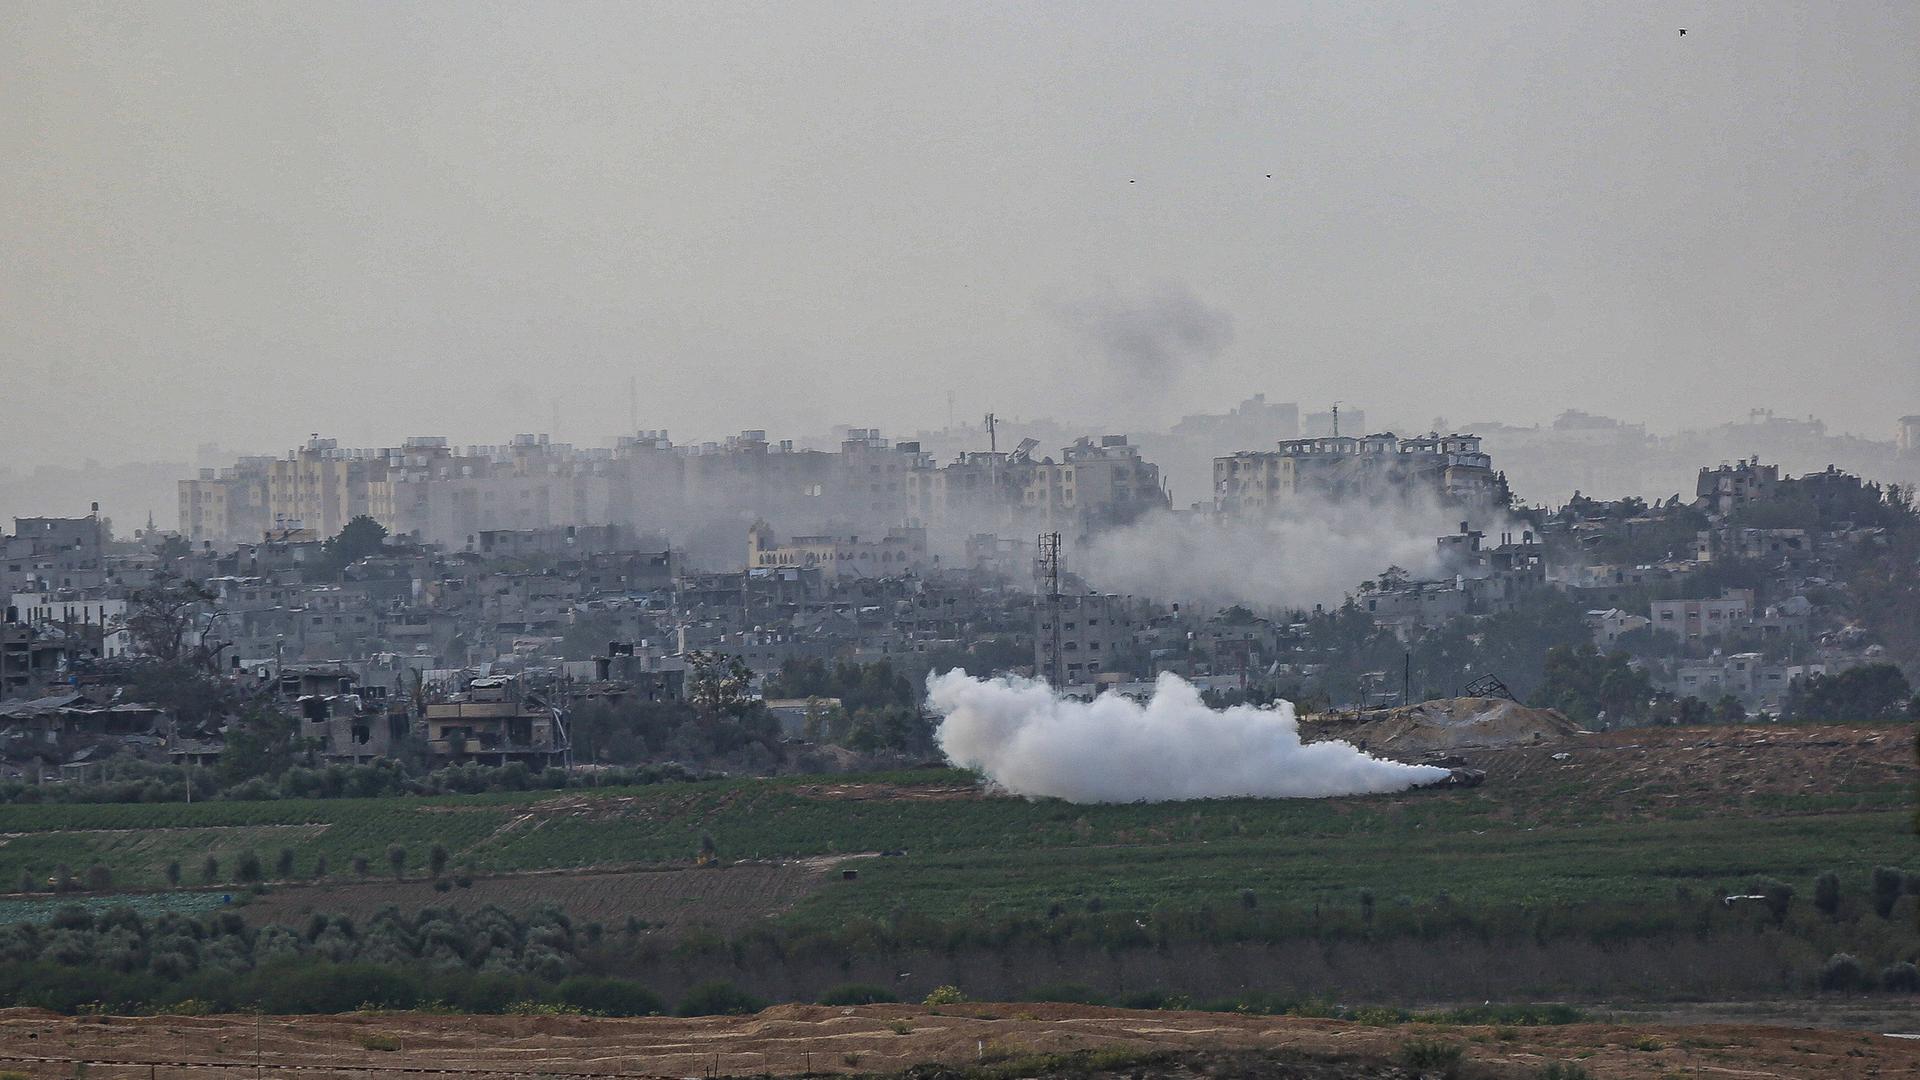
(1049, 545)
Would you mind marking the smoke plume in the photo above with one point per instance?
(1034, 743)
(1316, 554)
(1151, 337)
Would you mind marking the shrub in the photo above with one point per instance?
(320, 867)
(210, 870)
(99, 878)
(173, 874)
(610, 997)
(1432, 1055)
(441, 884)
(1843, 972)
(1564, 1070)
(1826, 894)
(1888, 883)
(248, 869)
(437, 858)
(380, 1042)
(283, 864)
(1779, 896)
(360, 865)
(1249, 899)
(718, 998)
(1902, 977)
(857, 994)
(397, 859)
(27, 882)
(944, 995)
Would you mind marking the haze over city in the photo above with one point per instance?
(241, 225)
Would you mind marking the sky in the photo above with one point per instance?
(241, 223)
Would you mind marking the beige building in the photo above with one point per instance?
(900, 550)
(1452, 468)
(494, 721)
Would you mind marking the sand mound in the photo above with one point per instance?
(1457, 724)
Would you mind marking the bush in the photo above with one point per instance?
(1432, 1055)
(1826, 894)
(944, 995)
(99, 878)
(610, 997)
(283, 864)
(1902, 977)
(397, 859)
(360, 866)
(718, 998)
(1564, 1070)
(1888, 883)
(1779, 896)
(248, 869)
(173, 874)
(437, 858)
(857, 994)
(210, 870)
(1843, 973)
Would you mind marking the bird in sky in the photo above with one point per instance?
(1683, 31)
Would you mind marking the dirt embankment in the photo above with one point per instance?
(1444, 725)
(792, 1040)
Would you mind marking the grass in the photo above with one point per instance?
(1515, 845)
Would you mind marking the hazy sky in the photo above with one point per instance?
(245, 222)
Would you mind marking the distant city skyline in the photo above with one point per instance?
(224, 223)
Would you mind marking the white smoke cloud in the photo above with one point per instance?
(1316, 554)
(1034, 743)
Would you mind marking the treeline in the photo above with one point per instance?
(491, 961)
(131, 780)
(868, 708)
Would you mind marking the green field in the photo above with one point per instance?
(1596, 837)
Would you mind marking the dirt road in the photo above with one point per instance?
(790, 1040)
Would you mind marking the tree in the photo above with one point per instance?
(397, 858)
(437, 858)
(1826, 894)
(320, 867)
(1888, 883)
(1729, 710)
(1582, 683)
(283, 864)
(173, 874)
(1857, 695)
(160, 620)
(248, 868)
(360, 866)
(361, 537)
(99, 878)
(1779, 900)
(259, 745)
(210, 870)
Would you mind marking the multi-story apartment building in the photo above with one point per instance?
(1451, 468)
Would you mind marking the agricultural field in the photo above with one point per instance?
(726, 899)
(1625, 817)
